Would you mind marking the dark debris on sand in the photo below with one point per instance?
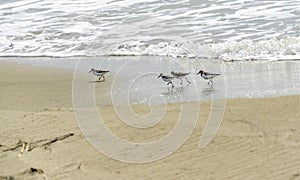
(39, 143)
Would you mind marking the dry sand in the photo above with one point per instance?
(40, 138)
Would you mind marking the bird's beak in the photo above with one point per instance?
(90, 71)
(159, 76)
(198, 73)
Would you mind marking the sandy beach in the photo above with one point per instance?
(40, 137)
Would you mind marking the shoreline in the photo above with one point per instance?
(258, 137)
(238, 80)
(29, 88)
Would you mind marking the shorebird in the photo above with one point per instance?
(11, 45)
(167, 79)
(99, 73)
(207, 76)
(180, 75)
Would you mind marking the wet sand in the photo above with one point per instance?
(138, 75)
(40, 137)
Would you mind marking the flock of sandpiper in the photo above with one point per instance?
(167, 78)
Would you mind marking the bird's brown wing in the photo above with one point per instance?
(180, 74)
(101, 71)
(210, 74)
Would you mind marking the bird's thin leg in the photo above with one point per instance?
(102, 77)
(188, 80)
(171, 84)
(168, 84)
(180, 81)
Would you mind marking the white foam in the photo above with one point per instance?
(272, 49)
(226, 30)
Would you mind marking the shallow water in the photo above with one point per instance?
(134, 79)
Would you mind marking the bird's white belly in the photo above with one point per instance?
(97, 74)
(208, 76)
(167, 80)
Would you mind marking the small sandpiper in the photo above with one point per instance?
(167, 79)
(180, 75)
(207, 76)
(99, 73)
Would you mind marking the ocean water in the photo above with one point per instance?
(137, 40)
(226, 30)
